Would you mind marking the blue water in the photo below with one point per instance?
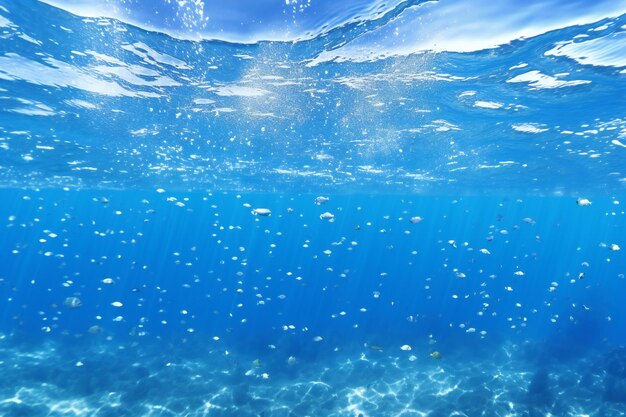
(299, 209)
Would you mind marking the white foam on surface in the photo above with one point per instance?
(60, 74)
(618, 143)
(150, 55)
(487, 104)
(202, 101)
(529, 128)
(537, 80)
(608, 51)
(5, 23)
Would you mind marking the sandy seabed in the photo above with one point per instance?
(110, 379)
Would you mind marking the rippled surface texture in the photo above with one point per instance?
(312, 208)
(96, 102)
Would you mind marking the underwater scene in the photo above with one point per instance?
(364, 208)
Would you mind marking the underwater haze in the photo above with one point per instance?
(299, 208)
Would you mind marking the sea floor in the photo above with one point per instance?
(110, 379)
